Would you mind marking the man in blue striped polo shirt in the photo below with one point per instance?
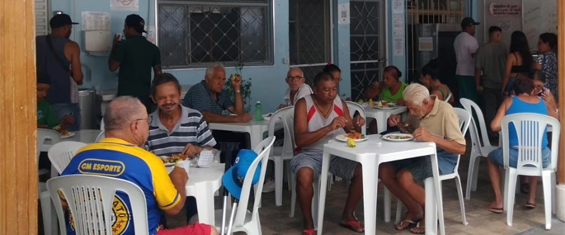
(174, 128)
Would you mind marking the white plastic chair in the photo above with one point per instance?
(280, 154)
(481, 144)
(464, 121)
(61, 154)
(42, 136)
(100, 136)
(90, 198)
(530, 128)
(248, 221)
(448, 97)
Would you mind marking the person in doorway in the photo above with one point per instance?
(429, 77)
(439, 123)
(175, 129)
(58, 58)
(519, 62)
(126, 125)
(547, 60)
(465, 46)
(490, 62)
(318, 118)
(524, 101)
(297, 88)
(135, 57)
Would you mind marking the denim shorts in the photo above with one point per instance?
(497, 157)
(340, 167)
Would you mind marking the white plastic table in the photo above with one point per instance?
(370, 155)
(381, 115)
(256, 129)
(84, 136)
(202, 184)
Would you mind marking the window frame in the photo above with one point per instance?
(269, 24)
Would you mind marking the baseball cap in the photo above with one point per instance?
(136, 22)
(60, 20)
(468, 21)
(234, 177)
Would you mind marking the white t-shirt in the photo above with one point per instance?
(303, 91)
(465, 46)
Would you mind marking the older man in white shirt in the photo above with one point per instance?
(297, 89)
(465, 46)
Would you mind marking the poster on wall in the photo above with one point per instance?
(398, 7)
(344, 13)
(124, 5)
(98, 21)
(398, 46)
(150, 35)
(505, 9)
(398, 25)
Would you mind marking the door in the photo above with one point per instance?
(310, 36)
(368, 54)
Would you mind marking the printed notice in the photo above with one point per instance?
(398, 26)
(398, 46)
(398, 6)
(425, 44)
(343, 13)
(95, 21)
(124, 5)
(505, 10)
(150, 35)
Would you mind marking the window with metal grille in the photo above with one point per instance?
(198, 33)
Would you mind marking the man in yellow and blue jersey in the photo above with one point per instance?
(120, 155)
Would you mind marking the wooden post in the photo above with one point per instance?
(18, 110)
(561, 87)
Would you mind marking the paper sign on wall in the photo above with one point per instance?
(505, 10)
(398, 46)
(124, 5)
(398, 7)
(99, 21)
(398, 26)
(150, 35)
(425, 44)
(343, 13)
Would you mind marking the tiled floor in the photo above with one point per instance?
(275, 220)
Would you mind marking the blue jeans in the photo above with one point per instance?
(68, 109)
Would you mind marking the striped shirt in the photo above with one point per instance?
(191, 128)
(199, 97)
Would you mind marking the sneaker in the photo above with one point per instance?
(269, 186)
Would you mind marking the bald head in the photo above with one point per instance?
(121, 112)
(293, 72)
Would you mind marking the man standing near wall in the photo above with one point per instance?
(465, 46)
(490, 61)
(135, 57)
(59, 58)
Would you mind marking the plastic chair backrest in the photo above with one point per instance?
(61, 154)
(277, 117)
(45, 134)
(288, 123)
(90, 199)
(479, 135)
(102, 124)
(530, 128)
(100, 136)
(355, 107)
(448, 97)
(464, 121)
(263, 156)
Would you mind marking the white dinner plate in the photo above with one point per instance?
(386, 107)
(68, 135)
(397, 137)
(344, 138)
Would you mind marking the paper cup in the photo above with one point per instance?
(185, 165)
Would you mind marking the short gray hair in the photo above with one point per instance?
(416, 93)
(121, 111)
(296, 68)
(210, 69)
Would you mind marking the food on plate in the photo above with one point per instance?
(354, 135)
(398, 137)
(360, 101)
(173, 158)
(351, 143)
(61, 131)
(371, 102)
(385, 104)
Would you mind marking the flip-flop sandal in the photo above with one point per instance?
(309, 231)
(418, 229)
(496, 210)
(530, 205)
(410, 223)
(353, 225)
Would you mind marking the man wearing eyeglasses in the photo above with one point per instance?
(297, 89)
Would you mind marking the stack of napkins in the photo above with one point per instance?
(206, 158)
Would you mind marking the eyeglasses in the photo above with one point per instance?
(139, 119)
(296, 78)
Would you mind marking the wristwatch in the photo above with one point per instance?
(237, 91)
